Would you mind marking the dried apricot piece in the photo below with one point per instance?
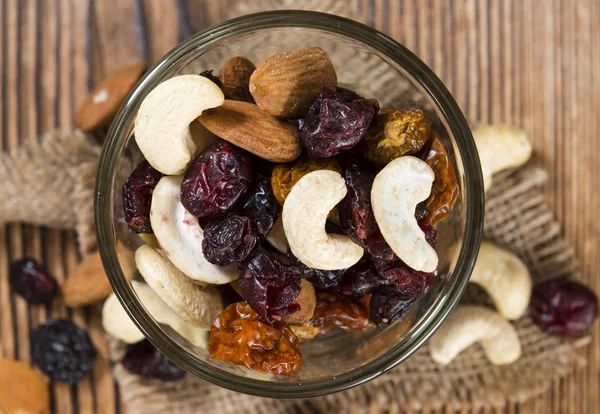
(397, 132)
(444, 190)
(238, 336)
(334, 310)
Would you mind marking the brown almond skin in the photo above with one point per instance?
(247, 126)
(22, 389)
(307, 300)
(235, 77)
(285, 85)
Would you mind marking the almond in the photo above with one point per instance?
(247, 126)
(101, 105)
(285, 85)
(307, 301)
(235, 78)
(88, 284)
(22, 389)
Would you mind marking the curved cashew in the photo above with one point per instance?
(469, 324)
(397, 190)
(276, 237)
(305, 211)
(118, 324)
(162, 126)
(180, 236)
(500, 147)
(190, 302)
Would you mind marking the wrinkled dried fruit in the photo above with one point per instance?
(137, 197)
(62, 350)
(320, 278)
(408, 282)
(269, 286)
(216, 180)
(347, 94)
(228, 240)
(332, 125)
(239, 336)
(388, 305)
(235, 76)
(304, 331)
(361, 279)
(261, 207)
(284, 176)
(333, 310)
(31, 280)
(143, 359)
(444, 190)
(397, 132)
(208, 74)
(563, 307)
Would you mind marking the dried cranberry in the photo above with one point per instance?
(262, 207)
(388, 305)
(228, 240)
(563, 307)
(31, 280)
(269, 286)
(145, 360)
(216, 180)
(421, 211)
(405, 280)
(430, 234)
(347, 94)
(137, 197)
(62, 350)
(361, 279)
(320, 278)
(208, 74)
(332, 125)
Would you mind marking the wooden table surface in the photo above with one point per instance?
(532, 63)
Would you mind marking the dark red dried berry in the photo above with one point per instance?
(145, 360)
(388, 305)
(361, 279)
(320, 278)
(269, 286)
(332, 125)
(31, 280)
(216, 180)
(408, 282)
(430, 234)
(137, 196)
(262, 207)
(228, 240)
(62, 350)
(347, 94)
(563, 307)
(208, 74)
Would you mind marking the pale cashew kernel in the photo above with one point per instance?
(397, 190)
(162, 126)
(190, 302)
(305, 211)
(469, 324)
(500, 147)
(180, 236)
(276, 237)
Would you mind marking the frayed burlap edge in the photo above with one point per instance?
(518, 219)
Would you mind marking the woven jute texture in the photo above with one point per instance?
(518, 219)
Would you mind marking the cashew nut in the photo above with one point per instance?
(276, 237)
(190, 302)
(180, 236)
(162, 126)
(397, 190)
(118, 324)
(500, 147)
(304, 214)
(469, 324)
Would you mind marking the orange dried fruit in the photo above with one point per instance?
(22, 389)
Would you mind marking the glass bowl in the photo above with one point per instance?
(371, 64)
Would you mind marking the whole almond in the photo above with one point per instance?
(247, 126)
(22, 389)
(235, 77)
(285, 85)
(101, 105)
(307, 300)
(87, 283)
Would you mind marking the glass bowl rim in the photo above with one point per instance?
(436, 91)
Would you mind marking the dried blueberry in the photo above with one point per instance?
(145, 360)
(269, 286)
(361, 279)
(388, 305)
(216, 180)
(228, 240)
(31, 280)
(137, 197)
(262, 207)
(62, 350)
(320, 278)
(208, 74)
(332, 125)
(563, 307)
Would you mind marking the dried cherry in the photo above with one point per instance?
(262, 207)
(388, 305)
(320, 278)
(228, 240)
(361, 279)
(31, 280)
(405, 280)
(137, 196)
(239, 336)
(563, 307)
(208, 74)
(143, 359)
(216, 180)
(332, 124)
(334, 310)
